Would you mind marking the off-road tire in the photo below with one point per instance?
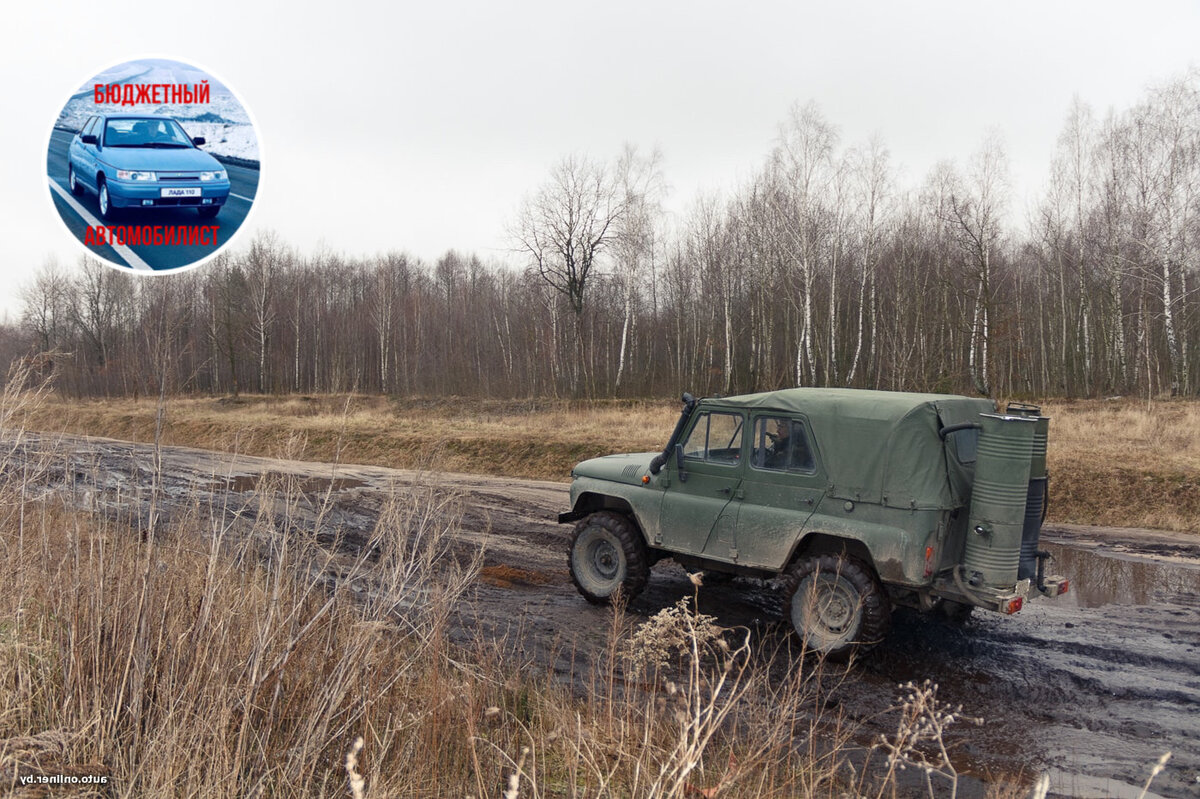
(837, 605)
(608, 554)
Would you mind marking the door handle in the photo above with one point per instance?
(724, 491)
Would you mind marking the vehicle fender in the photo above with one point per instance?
(882, 547)
(639, 502)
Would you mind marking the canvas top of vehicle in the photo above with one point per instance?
(855, 500)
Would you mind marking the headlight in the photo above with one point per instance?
(125, 174)
(218, 175)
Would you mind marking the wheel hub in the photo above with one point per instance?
(834, 611)
(605, 559)
(826, 607)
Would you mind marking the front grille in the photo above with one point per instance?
(167, 176)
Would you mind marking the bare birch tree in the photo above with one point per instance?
(803, 163)
(975, 218)
(873, 197)
(643, 189)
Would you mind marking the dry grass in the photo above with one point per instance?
(530, 439)
(208, 657)
(181, 666)
(230, 656)
(1123, 463)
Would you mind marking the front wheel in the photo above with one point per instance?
(608, 554)
(208, 212)
(73, 180)
(837, 605)
(106, 211)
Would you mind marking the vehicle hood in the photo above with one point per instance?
(147, 158)
(617, 468)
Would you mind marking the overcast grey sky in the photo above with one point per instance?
(419, 127)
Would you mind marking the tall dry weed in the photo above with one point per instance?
(220, 651)
(676, 706)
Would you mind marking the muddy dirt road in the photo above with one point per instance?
(1092, 688)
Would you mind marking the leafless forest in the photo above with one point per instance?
(820, 270)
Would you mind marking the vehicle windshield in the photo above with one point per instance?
(145, 133)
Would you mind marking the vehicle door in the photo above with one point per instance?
(698, 513)
(83, 156)
(781, 488)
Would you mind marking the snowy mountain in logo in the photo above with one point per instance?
(222, 121)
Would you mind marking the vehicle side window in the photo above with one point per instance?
(782, 444)
(89, 127)
(715, 437)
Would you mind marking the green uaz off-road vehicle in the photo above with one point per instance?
(856, 500)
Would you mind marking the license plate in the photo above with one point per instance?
(181, 192)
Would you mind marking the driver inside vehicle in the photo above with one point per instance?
(781, 447)
(788, 448)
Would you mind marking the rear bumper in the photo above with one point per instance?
(1000, 600)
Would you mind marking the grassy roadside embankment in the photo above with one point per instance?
(1122, 463)
(1118, 463)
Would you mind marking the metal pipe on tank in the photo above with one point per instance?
(998, 500)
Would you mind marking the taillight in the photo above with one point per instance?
(928, 561)
(1013, 605)
(1064, 586)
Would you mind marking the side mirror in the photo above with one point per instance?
(683, 475)
(89, 138)
(197, 140)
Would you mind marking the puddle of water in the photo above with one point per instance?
(1101, 578)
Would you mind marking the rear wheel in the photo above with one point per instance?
(607, 555)
(837, 605)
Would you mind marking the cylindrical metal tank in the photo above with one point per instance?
(998, 499)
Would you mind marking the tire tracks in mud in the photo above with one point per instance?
(1094, 695)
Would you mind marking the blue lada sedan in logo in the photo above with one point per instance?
(146, 162)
